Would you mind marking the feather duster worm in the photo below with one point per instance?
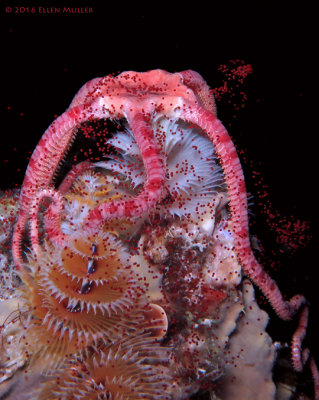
(192, 172)
(79, 294)
(130, 369)
(85, 290)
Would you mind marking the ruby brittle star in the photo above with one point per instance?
(142, 99)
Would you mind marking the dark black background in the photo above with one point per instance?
(46, 58)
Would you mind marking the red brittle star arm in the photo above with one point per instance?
(41, 169)
(235, 182)
(202, 116)
(155, 177)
